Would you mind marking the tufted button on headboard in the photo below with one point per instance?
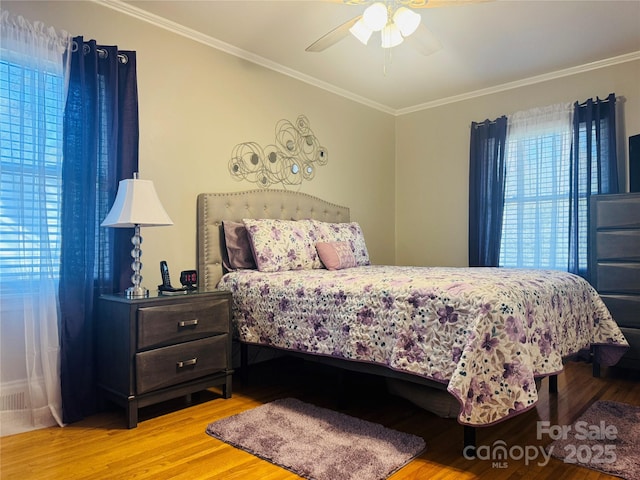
(214, 208)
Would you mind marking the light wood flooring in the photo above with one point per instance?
(170, 440)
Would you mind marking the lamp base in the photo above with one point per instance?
(136, 292)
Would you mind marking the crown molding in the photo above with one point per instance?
(629, 57)
(179, 29)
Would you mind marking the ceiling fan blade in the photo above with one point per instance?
(424, 41)
(333, 37)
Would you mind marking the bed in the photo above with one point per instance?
(483, 337)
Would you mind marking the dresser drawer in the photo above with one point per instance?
(618, 244)
(618, 212)
(175, 364)
(618, 277)
(167, 324)
(625, 309)
(633, 337)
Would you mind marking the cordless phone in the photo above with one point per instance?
(166, 280)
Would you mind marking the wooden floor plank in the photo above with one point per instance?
(170, 440)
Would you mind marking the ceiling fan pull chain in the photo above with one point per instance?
(388, 52)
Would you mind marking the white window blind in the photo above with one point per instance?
(535, 231)
(31, 116)
(535, 228)
(535, 220)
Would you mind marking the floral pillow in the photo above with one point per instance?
(344, 232)
(280, 245)
(336, 255)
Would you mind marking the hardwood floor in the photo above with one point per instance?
(170, 440)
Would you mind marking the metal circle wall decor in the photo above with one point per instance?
(293, 158)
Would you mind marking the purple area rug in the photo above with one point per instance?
(605, 438)
(317, 443)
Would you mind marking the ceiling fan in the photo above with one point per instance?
(394, 19)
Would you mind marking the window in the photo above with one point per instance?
(539, 196)
(31, 106)
(535, 229)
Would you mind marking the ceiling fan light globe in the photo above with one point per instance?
(391, 36)
(375, 17)
(361, 31)
(406, 20)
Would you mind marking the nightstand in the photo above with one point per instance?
(149, 350)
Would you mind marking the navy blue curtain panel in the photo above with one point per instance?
(100, 149)
(486, 191)
(594, 170)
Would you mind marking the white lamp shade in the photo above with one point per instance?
(406, 20)
(136, 203)
(361, 31)
(375, 16)
(391, 36)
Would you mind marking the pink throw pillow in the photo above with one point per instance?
(344, 232)
(336, 255)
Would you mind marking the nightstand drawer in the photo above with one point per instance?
(167, 324)
(175, 364)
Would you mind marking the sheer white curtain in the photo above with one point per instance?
(33, 69)
(535, 230)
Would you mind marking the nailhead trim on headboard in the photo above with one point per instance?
(213, 208)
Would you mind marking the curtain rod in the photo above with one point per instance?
(102, 53)
(486, 121)
(598, 99)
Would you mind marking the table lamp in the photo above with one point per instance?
(136, 205)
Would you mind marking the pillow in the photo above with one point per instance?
(238, 246)
(336, 255)
(280, 245)
(344, 232)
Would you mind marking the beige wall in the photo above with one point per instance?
(196, 103)
(405, 178)
(432, 157)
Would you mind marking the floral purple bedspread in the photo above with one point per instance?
(484, 332)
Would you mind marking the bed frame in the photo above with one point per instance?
(213, 208)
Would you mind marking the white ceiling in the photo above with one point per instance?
(486, 46)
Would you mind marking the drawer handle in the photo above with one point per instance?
(188, 323)
(186, 363)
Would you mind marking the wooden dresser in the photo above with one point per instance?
(615, 263)
(149, 350)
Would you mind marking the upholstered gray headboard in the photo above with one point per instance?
(213, 208)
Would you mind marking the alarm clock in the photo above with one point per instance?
(189, 279)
